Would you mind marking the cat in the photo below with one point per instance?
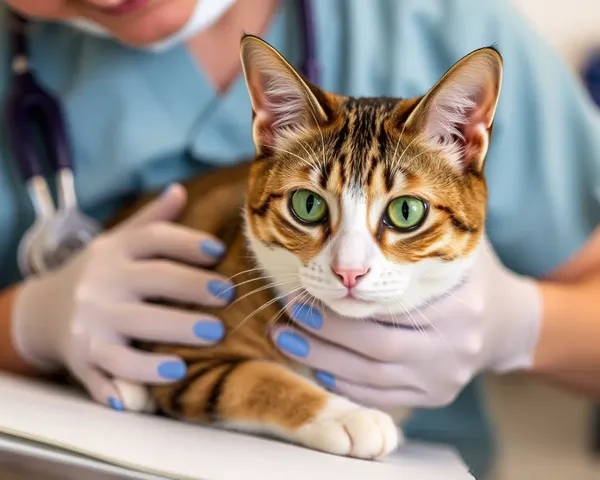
(361, 204)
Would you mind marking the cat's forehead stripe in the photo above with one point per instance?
(362, 143)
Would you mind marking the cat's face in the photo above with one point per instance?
(371, 206)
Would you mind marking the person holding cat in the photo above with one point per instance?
(164, 82)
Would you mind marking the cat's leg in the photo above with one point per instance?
(267, 398)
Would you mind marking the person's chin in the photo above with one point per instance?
(152, 26)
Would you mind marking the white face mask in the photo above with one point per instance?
(206, 12)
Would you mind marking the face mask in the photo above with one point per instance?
(206, 13)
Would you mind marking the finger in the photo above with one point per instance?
(127, 363)
(378, 341)
(99, 386)
(182, 283)
(384, 398)
(164, 324)
(163, 239)
(339, 362)
(163, 208)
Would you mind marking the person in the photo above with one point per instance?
(153, 93)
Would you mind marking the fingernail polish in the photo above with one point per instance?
(115, 404)
(307, 315)
(172, 370)
(293, 343)
(212, 249)
(221, 290)
(167, 190)
(326, 379)
(209, 330)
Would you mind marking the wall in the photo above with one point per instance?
(571, 26)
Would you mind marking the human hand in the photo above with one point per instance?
(83, 315)
(490, 322)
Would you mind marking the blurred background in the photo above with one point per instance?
(571, 26)
(546, 433)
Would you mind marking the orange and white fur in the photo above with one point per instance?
(368, 206)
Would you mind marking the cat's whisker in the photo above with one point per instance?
(298, 298)
(262, 288)
(292, 154)
(456, 299)
(314, 115)
(392, 315)
(256, 279)
(413, 158)
(438, 331)
(315, 154)
(397, 161)
(418, 327)
(407, 311)
(418, 310)
(262, 307)
(312, 302)
(282, 310)
(398, 144)
(433, 307)
(313, 157)
(250, 270)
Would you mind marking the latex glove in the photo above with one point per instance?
(83, 315)
(490, 322)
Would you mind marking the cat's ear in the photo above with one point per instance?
(457, 114)
(283, 103)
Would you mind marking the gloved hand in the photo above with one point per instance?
(491, 322)
(82, 315)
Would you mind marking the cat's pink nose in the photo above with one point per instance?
(350, 276)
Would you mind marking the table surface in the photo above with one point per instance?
(22, 459)
(79, 437)
(15, 466)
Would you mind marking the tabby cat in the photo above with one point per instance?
(362, 204)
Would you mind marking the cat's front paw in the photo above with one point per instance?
(344, 428)
(134, 396)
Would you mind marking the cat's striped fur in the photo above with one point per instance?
(373, 149)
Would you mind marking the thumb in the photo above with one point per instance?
(98, 386)
(166, 207)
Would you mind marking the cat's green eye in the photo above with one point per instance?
(406, 213)
(308, 206)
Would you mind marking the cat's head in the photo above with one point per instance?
(370, 205)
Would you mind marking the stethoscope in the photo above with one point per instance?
(59, 231)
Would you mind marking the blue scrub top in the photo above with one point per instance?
(140, 120)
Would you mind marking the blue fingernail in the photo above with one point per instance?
(307, 315)
(221, 290)
(293, 343)
(115, 404)
(208, 330)
(212, 249)
(172, 370)
(326, 379)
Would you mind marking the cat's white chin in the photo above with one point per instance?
(352, 307)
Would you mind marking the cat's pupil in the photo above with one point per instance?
(405, 211)
(310, 203)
